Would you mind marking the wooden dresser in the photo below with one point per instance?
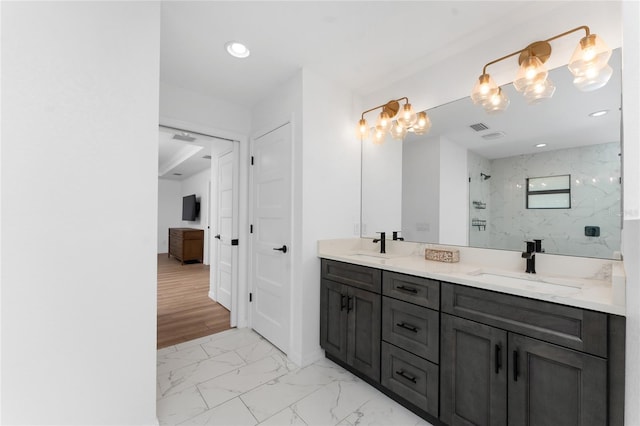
(186, 244)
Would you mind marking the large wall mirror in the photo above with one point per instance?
(465, 182)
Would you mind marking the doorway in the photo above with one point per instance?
(187, 294)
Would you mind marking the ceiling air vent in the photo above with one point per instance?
(478, 127)
(494, 135)
(177, 174)
(207, 157)
(184, 136)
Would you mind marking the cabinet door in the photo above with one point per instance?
(552, 385)
(473, 368)
(363, 335)
(333, 319)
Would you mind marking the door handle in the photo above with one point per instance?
(498, 355)
(282, 249)
(217, 237)
(515, 366)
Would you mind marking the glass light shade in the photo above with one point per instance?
(398, 131)
(362, 129)
(532, 71)
(378, 136)
(384, 121)
(497, 103)
(596, 80)
(539, 92)
(423, 124)
(407, 116)
(591, 54)
(484, 88)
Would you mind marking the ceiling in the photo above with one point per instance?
(361, 45)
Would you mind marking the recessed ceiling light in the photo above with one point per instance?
(237, 49)
(599, 113)
(541, 145)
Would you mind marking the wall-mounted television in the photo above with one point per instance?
(190, 207)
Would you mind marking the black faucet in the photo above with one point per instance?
(530, 255)
(382, 241)
(395, 236)
(539, 248)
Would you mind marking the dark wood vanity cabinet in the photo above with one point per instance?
(494, 374)
(458, 355)
(350, 316)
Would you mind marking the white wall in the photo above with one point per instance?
(454, 179)
(169, 210)
(421, 190)
(194, 108)
(79, 100)
(382, 194)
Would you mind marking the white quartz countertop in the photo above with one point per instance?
(595, 284)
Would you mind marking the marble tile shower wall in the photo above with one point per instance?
(595, 201)
(479, 191)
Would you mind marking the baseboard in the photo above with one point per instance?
(307, 359)
(211, 296)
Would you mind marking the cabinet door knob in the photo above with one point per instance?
(343, 302)
(498, 350)
(515, 366)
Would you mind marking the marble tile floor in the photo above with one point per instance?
(238, 378)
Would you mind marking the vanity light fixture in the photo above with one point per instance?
(588, 64)
(237, 49)
(395, 121)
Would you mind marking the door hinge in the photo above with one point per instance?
(250, 297)
(469, 179)
(251, 229)
(234, 242)
(252, 160)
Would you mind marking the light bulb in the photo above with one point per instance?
(362, 129)
(539, 91)
(407, 116)
(590, 56)
(379, 135)
(384, 121)
(593, 79)
(531, 71)
(423, 124)
(484, 88)
(498, 102)
(398, 131)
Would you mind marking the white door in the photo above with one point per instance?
(226, 252)
(271, 242)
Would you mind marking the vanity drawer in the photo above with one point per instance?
(410, 327)
(354, 275)
(410, 377)
(571, 327)
(418, 290)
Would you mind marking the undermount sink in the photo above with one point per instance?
(370, 255)
(533, 282)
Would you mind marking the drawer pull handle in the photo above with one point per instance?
(343, 302)
(407, 326)
(407, 289)
(515, 366)
(404, 375)
(498, 358)
(349, 304)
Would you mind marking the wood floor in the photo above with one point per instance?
(185, 311)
